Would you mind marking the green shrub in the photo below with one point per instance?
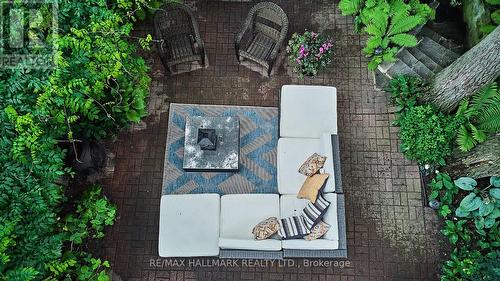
(405, 90)
(387, 22)
(99, 86)
(93, 213)
(427, 135)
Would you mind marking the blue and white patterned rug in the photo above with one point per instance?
(258, 142)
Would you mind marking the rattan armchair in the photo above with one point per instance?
(178, 37)
(262, 35)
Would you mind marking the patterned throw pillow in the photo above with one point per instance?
(317, 231)
(312, 165)
(266, 228)
(311, 187)
(313, 212)
(293, 227)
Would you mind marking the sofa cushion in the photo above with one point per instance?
(293, 227)
(189, 225)
(312, 164)
(266, 228)
(306, 111)
(291, 154)
(250, 244)
(240, 213)
(317, 231)
(290, 205)
(314, 212)
(311, 187)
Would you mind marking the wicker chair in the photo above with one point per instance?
(262, 35)
(179, 40)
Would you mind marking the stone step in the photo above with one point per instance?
(452, 30)
(424, 59)
(405, 56)
(401, 68)
(381, 80)
(449, 44)
(438, 53)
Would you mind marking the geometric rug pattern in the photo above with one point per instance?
(258, 142)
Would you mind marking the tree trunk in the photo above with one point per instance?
(482, 161)
(473, 70)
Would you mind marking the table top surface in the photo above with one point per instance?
(226, 154)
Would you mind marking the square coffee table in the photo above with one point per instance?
(212, 143)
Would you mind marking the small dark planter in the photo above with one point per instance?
(90, 157)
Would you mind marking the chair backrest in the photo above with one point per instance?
(174, 19)
(269, 19)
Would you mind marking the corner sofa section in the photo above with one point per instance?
(210, 225)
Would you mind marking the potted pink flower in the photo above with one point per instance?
(309, 52)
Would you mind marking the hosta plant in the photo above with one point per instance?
(309, 52)
(482, 203)
(388, 23)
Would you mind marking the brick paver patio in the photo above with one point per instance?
(391, 236)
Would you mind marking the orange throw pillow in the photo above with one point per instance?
(312, 186)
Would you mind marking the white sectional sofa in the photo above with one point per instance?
(209, 225)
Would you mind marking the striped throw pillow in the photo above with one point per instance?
(293, 227)
(313, 212)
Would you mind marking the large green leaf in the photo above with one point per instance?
(471, 202)
(488, 222)
(495, 17)
(495, 181)
(495, 193)
(493, 2)
(404, 24)
(495, 214)
(404, 40)
(466, 183)
(486, 209)
(349, 7)
(461, 212)
(479, 223)
(133, 115)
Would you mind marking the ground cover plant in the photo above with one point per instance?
(98, 86)
(470, 207)
(388, 24)
(426, 134)
(471, 210)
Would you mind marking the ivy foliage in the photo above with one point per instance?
(99, 86)
(388, 24)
